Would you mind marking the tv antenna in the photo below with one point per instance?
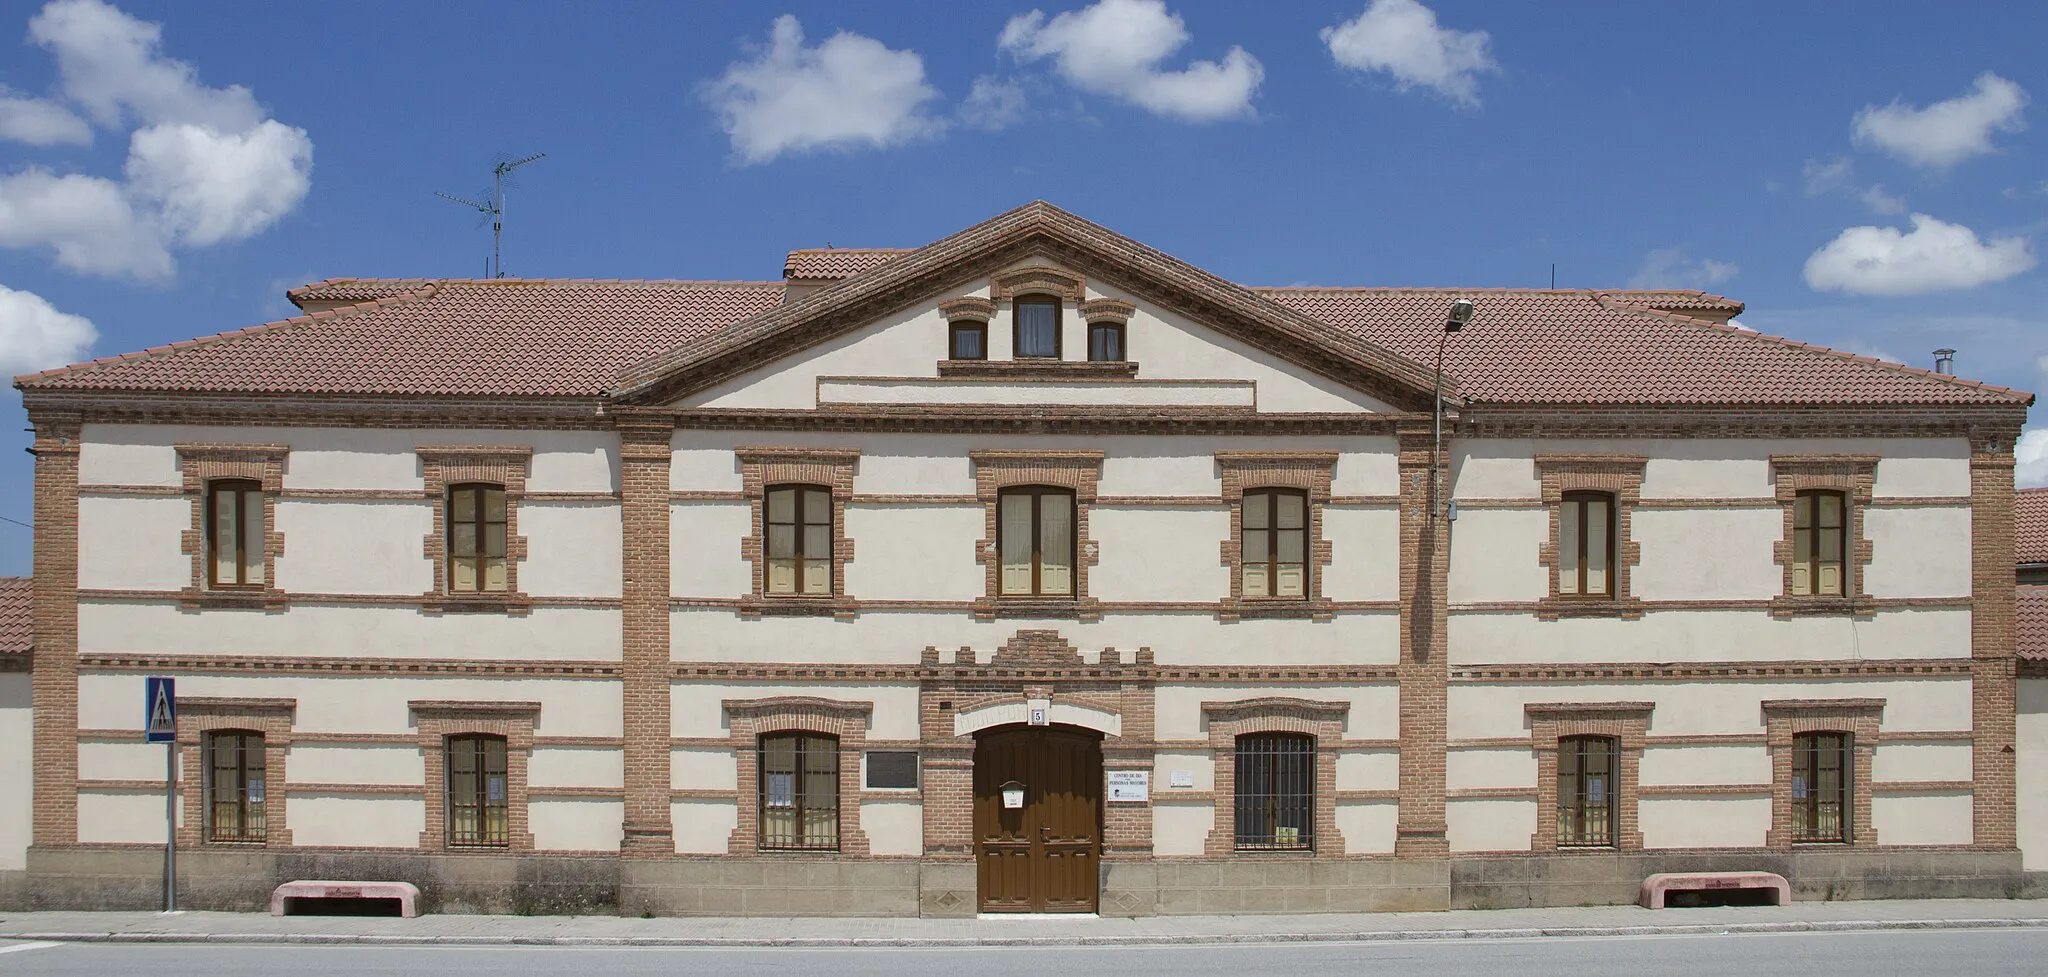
(495, 208)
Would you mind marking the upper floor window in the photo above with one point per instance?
(1585, 791)
(1585, 544)
(1035, 539)
(1819, 538)
(234, 533)
(1275, 543)
(967, 339)
(234, 785)
(478, 785)
(1276, 791)
(1821, 772)
(799, 521)
(476, 538)
(1106, 342)
(799, 792)
(1037, 328)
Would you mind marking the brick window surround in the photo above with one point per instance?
(1628, 724)
(200, 715)
(1787, 718)
(750, 719)
(439, 719)
(765, 467)
(1308, 471)
(201, 464)
(1618, 475)
(1852, 475)
(994, 471)
(967, 311)
(1324, 721)
(443, 466)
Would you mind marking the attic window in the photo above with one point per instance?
(967, 340)
(1037, 328)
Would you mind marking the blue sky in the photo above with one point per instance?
(1871, 176)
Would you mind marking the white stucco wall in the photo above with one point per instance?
(572, 549)
(1714, 468)
(1707, 554)
(1922, 818)
(575, 823)
(1367, 826)
(1489, 824)
(343, 458)
(1365, 547)
(703, 768)
(357, 822)
(128, 542)
(569, 707)
(1918, 552)
(698, 707)
(1709, 635)
(1493, 555)
(1682, 708)
(894, 827)
(1708, 821)
(1467, 767)
(1181, 828)
(576, 766)
(1374, 714)
(355, 764)
(17, 771)
(1168, 553)
(904, 552)
(354, 546)
(320, 630)
(2031, 744)
(703, 827)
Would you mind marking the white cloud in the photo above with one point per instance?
(993, 104)
(1402, 38)
(1947, 132)
(2030, 458)
(1829, 176)
(849, 91)
(1116, 48)
(204, 165)
(1674, 268)
(35, 336)
(1935, 256)
(40, 122)
(1877, 200)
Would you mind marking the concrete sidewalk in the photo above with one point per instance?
(208, 927)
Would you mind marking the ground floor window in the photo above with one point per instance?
(1821, 775)
(234, 786)
(1276, 783)
(1585, 791)
(799, 792)
(478, 814)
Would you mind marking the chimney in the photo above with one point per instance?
(1945, 362)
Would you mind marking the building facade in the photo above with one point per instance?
(1030, 570)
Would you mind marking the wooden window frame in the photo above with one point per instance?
(242, 490)
(799, 506)
(1322, 722)
(766, 466)
(1037, 494)
(202, 466)
(1810, 500)
(1270, 498)
(444, 467)
(480, 524)
(1806, 810)
(478, 747)
(1577, 543)
(748, 720)
(997, 470)
(1627, 724)
(807, 747)
(271, 718)
(955, 329)
(1574, 806)
(1301, 747)
(1017, 326)
(1308, 472)
(439, 721)
(239, 787)
(1855, 476)
(1111, 327)
(1785, 720)
(1619, 477)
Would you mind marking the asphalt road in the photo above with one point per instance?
(1949, 953)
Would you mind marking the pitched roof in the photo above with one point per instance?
(832, 264)
(554, 337)
(1577, 346)
(2033, 615)
(2030, 525)
(17, 628)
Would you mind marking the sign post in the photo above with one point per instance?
(160, 725)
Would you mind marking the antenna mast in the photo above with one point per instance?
(495, 209)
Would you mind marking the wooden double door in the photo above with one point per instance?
(1038, 818)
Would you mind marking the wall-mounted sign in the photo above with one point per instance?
(1181, 778)
(1130, 785)
(1013, 798)
(1038, 717)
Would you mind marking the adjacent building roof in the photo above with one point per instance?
(2033, 615)
(17, 628)
(541, 338)
(2030, 525)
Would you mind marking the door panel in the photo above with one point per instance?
(1041, 857)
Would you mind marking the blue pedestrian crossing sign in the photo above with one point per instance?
(161, 705)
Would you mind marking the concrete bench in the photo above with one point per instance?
(1657, 887)
(287, 896)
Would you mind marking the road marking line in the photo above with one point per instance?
(18, 947)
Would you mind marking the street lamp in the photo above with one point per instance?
(1459, 316)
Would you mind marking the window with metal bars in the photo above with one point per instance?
(1585, 544)
(1820, 520)
(1586, 791)
(799, 792)
(1035, 537)
(1276, 792)
(799, 540)
(234, 533)
(478, 785)
(1273, 548)
(476, 538)
(234, 786)
(1822, 771)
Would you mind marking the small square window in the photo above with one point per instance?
(1106, 342)
(892, 770)
(967, 340)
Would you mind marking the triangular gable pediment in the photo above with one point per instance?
(1037, 234)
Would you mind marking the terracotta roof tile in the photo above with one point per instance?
(17, 628)
(1677, 299)
(833, 264)
(2033, 636)
(1546, 346)
(496, 337)
(2031, 525)
(355, 289)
